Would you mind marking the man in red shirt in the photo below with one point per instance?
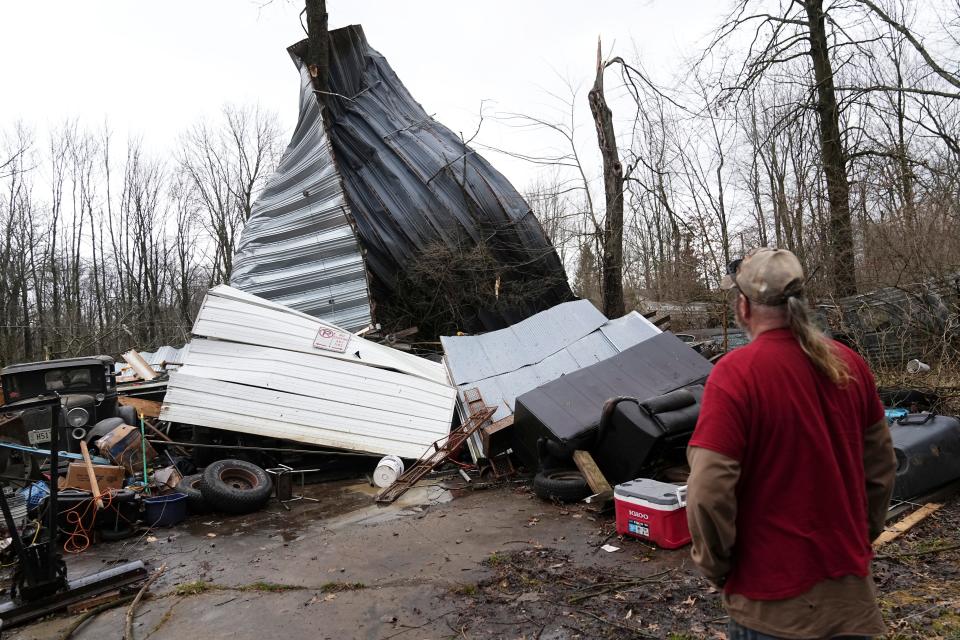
(791, 468)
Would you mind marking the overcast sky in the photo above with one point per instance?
(153, 68)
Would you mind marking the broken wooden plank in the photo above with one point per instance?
(588, 467)
(96, 601)
(149, 408)
(91, 474)
(901, 527)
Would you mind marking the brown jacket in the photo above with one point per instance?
(833, 607)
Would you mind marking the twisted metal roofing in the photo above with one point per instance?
(369, 183)
(298, 247)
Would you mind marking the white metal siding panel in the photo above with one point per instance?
(225, 315)
(252, 368)
(328, 379)
(271, 413)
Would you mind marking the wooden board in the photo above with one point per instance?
(598, 483)
(95, 601)
(149, 408)
(901, 527)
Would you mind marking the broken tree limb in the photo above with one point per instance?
(97, 610)
(901, 527)
(128, 629)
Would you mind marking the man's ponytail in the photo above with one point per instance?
(817, 346)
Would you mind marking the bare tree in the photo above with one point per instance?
(226, 166)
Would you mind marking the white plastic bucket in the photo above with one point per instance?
(915, 366)
(388, 470)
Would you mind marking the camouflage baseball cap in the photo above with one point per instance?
(766, 276)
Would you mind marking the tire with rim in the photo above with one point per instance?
(190, 486)
(235, 486)
(563, 485)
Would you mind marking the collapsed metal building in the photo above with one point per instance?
(892, 325)
(375, 206)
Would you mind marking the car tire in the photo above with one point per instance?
(563, 485)
(235, 486)
(102, 428)
(129, 415)
(190, 486)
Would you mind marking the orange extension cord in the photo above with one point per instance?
(79, 539)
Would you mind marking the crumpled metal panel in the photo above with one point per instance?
(368, 184)
(411, 182)
(298, 248)
(507, 363)
(527, 342)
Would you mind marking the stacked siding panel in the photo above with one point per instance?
(252, 367)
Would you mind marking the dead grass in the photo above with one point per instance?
(269, 587)
(337, 587)
(195, 588)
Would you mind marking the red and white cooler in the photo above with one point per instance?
(653, 511)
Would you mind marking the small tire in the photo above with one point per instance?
(235, 486)
(129, 415)
(563, 485)
(190, 486)
(103, 427)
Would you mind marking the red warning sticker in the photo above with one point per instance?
(330, 339)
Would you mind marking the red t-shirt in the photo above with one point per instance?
(801, 497)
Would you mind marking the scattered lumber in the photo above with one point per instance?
(901, 527)
(149, 408)
(591, 472)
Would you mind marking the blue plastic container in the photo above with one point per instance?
(165, 511)
(895, 414)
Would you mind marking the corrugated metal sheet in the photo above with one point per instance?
(261, 374)
(507, 363)
(298, 247)
(411, 181)
(374, 159)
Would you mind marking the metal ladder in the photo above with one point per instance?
(440, 450)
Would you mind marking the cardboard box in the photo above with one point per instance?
(108, 477)
(122, 445)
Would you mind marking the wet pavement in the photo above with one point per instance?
(344, 567)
